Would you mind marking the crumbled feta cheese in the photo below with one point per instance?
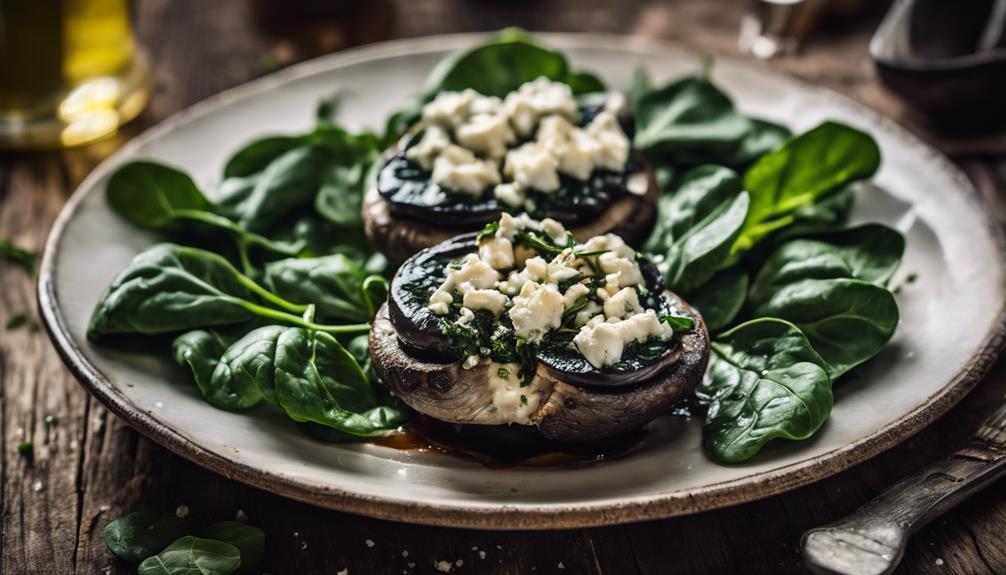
(466, 317)
(536, 268)
(637, 183)
(574, 293)
(512, 402)
(533, 165)
(616, 103)
(561, 268)
(510, 193)
(449, 109)
(497, 252)
(433, 141)
(508, 227)
(488, 299)
(537, 98)
(536, 310)
(440, 302)
(602, 342)
(554, 230)
(578, 155)
(470, 362)
(459, 170)
(613, 152)
(485, 105)
(619, 262)
(623, 303)
(584, 315)
(554, 131)
(486, 134)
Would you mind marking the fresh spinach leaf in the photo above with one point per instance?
(689, 116)
(496, 67)
(170, 288)
(765, 381)
(317, 380)
(869, 252)
(139, 535)
(245, 372)
(200, 350)
(721, 298)
(697, 225)
(804, 169)
(249, 540)
(848, 321)
(193, 556)
(335, 284)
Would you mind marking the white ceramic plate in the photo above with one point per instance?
(952, 317)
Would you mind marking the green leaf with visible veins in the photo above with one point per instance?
(765, 381)
(193, 556)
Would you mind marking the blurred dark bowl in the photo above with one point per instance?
(927, 51)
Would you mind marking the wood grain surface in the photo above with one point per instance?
(90, 468)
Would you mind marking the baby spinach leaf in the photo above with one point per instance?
(847, 321)
(721, 298)
(697, 225)
(762, 137)
(245, 372)
(193, 556)
(170, 288)
(765, 381)
(249, 540)
(805, 168)
(148, 194)
(290, 181)
(15, 254)
(687, 115)
(141, 534)
(200, 350)
(870, 252)
(334, 284)
(257, 155)
(318, 380)
(496, 67)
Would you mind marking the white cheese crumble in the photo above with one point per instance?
(607, 316)
(486, 127)
(536, 310)
(538, 98)
(602, 342)
(458, 169)
(511, 402)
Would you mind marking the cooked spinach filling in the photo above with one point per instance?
(488, 336)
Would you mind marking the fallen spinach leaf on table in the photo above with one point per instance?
(17, 255)
(193, 556)
(141, 534)
(765, 381)
(249, 540)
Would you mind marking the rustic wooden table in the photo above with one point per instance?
(90, 468)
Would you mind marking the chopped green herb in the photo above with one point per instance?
(910, 279)
(27, 450)
(488, 231)
(543, 244)
(503, 373)
(16, 321)
(678, 322)
(17, 255)
(523, 399)
(590, 254)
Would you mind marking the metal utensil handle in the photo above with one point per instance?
(872, 539)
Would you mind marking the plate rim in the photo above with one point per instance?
(508, 516)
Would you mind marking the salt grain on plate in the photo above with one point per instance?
(182, 511)
(370, 543)
(482, 554)
(343, 572)
(443, 566)
(405, 553)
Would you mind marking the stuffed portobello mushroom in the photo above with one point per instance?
(521, 324)
(539, 151)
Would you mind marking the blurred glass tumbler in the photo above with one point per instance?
(70, 72)
(774, 27)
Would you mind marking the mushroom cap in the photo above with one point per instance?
(570, 413)
(398, 236)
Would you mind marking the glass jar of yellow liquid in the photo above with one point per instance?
(70, 72)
